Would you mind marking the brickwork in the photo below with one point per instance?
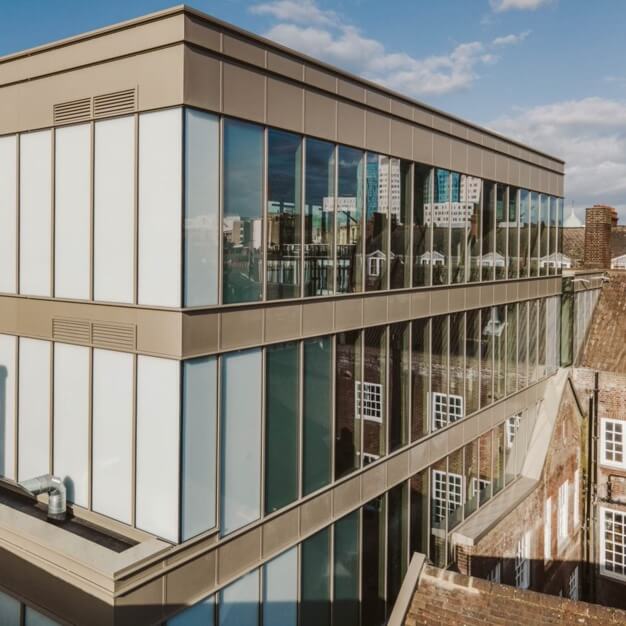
(446, 598)
(599, 221)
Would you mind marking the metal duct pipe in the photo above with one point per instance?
(54, 487)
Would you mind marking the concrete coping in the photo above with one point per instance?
(405, 595)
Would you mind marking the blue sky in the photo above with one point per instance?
(549, 72)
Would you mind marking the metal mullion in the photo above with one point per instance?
(385, 504)
(218, 443)
(51, 412)
(409, 219)
(387, 403)
(90, 435)
(361, 341)
(264, 220)
(92, 206)
(18, 202)
(409, 420)
(363, 221)
(302, 212)
(136, 211)
(335, 272)
(133, 482)
(300, 451)
(220, 211)
(449, 229)
(432, 227)
(388, 221)
(183, 207)
(52, 210)
(262, 454)
(505, 208)
(16, 396)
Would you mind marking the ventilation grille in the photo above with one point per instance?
(114, 103)
(100, 334)
(74, 111)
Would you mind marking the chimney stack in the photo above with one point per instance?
(599, 222)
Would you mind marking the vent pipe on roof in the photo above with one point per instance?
(54, 487)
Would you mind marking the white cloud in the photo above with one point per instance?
(521, 5)
(589, 134)
(322, 34)
(511, 40)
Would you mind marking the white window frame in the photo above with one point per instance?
(447, 493)
(478, 484)
(547, 531)
(563, 514)
(608, 516)
(522, 561)
(373, 401)
(512, 428)
(612, 447)
(573, 585)
(445, 409)
(375, 264)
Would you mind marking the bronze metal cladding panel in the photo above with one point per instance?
(472, 297)
(439, 301)
(458, 130)
(499, 294)
(317, 317)
(244, 93)
(420, 304)
(281, 532)
(283, 322)
(399, 306)
(401, 139)
(442, 148)
(320, 115)
(351, 124)
(200, 333)
(439, 445)
(320, 78)
(203, 85)
(241, 50)
(144, 605)
(377, 100)
(489, 165)
(374, 481)
(282, 64)
(377, 129)
(441, 123)
(474, 161)
(486, 295)
(237, 555)
(375, 310)
(422, 116)
(401, 109)
(514, 172)
(455, 438)
(348, 313)
(456, 299)
(346, 496)
(458, 156)
(285, 105)
(524, 175)
(470, 428)
(419, 457)
(397, 468)
(502, 168)
(423, 145)
(241, 328)
(202, 34)
(315, 513)
(188, 583)
(534, 177)
(351, 90)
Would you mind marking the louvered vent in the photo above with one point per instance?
(115, 103)
(74, 331)
(120, 336)
(74, 111)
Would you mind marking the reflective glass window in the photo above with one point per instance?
(420, 378)
(399, 381)
(502, 229)
(457, 367)
(532, 341)
(544, 234)
(418, 487)
(471, 473)
(445, 490)
(371, 405)
(488, 256)
(400, 223)
(524, 235)
(522, 345)
(280, 590)
(460, 212)
(456, 501)
(315, 580)
(499, 435)
(443, 409)
(474, 231)
(488, 321)
(534, 245)
(499, 330)
(439, 217)
(511, 349)
(377, 197)
(239, 602)
(373, 568)
(422, 225)
(346, 570)
(513, 233)
(485, 478)
(397, 537)
(473, 346)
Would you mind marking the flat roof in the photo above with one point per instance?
(184, 9)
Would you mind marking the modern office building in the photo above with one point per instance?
(274, 326)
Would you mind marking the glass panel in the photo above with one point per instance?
(418, 485)
(499, 330)
(399, 380)
(420, 377)
(502, 228)
(34, 618)
(239, 602)
(460, 212)
(202, 206)
(524, 236)
(559, 237)
(498, 461)
(513, 233)
(315, 580)
(439, 487)
(400, 223)
(471, 477)
(485, 464)
(422, 225)
(397, 549)
(455, 495)
(522, 346)
(8, 376)
(488, 321)
(511, 349)
(347, 386)
(71, 399)
(377, 207)
(373, 395)
(284, 190)
(280, 590)
(373, 573)
(440, 219)
(567, 323)
(472, 361)
(440, 405)
(199, 449)
(346, 571)
(317, 417)
(456, 404)
(240, 439)
(114, 210)
(34, 408)
(281, 425)
(9, 610)
(544, 234)
(8, 214)
(35, 229)
(554, 259)
(319, 218)
(488, 258)
(242, 230)
(474, 186)
(200, 614)
(113, 407)
(534, 245)
(160, 207)
(541, 338)
(349, 220)
(532, 341)
(158, 445)
(72, 211)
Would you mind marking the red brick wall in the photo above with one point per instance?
(599, 221)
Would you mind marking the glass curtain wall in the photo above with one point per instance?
(439, 217)
(377, 195)
(371, 403)
(400, 224)
(422, 225)
(474, 203)
(440, 407)
(488, 257)
(502, 229)
(420, 377)
(399, 383)
(513, 233)
(544, 234)
(524, 235)
(458, 227)
(534, 245)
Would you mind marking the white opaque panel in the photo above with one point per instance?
(239, 602)
(9, 609)
(199, 446)
(160, 210)
(113, 381)
(71, 420)
(35, 213)
(8, 214)
(280, 590)
(202, 200)
(114, 210)
(240, 439)
(72, 219)
(8, 360)
(158, 439)
(34, 408)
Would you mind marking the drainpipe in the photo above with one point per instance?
(54, 487)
